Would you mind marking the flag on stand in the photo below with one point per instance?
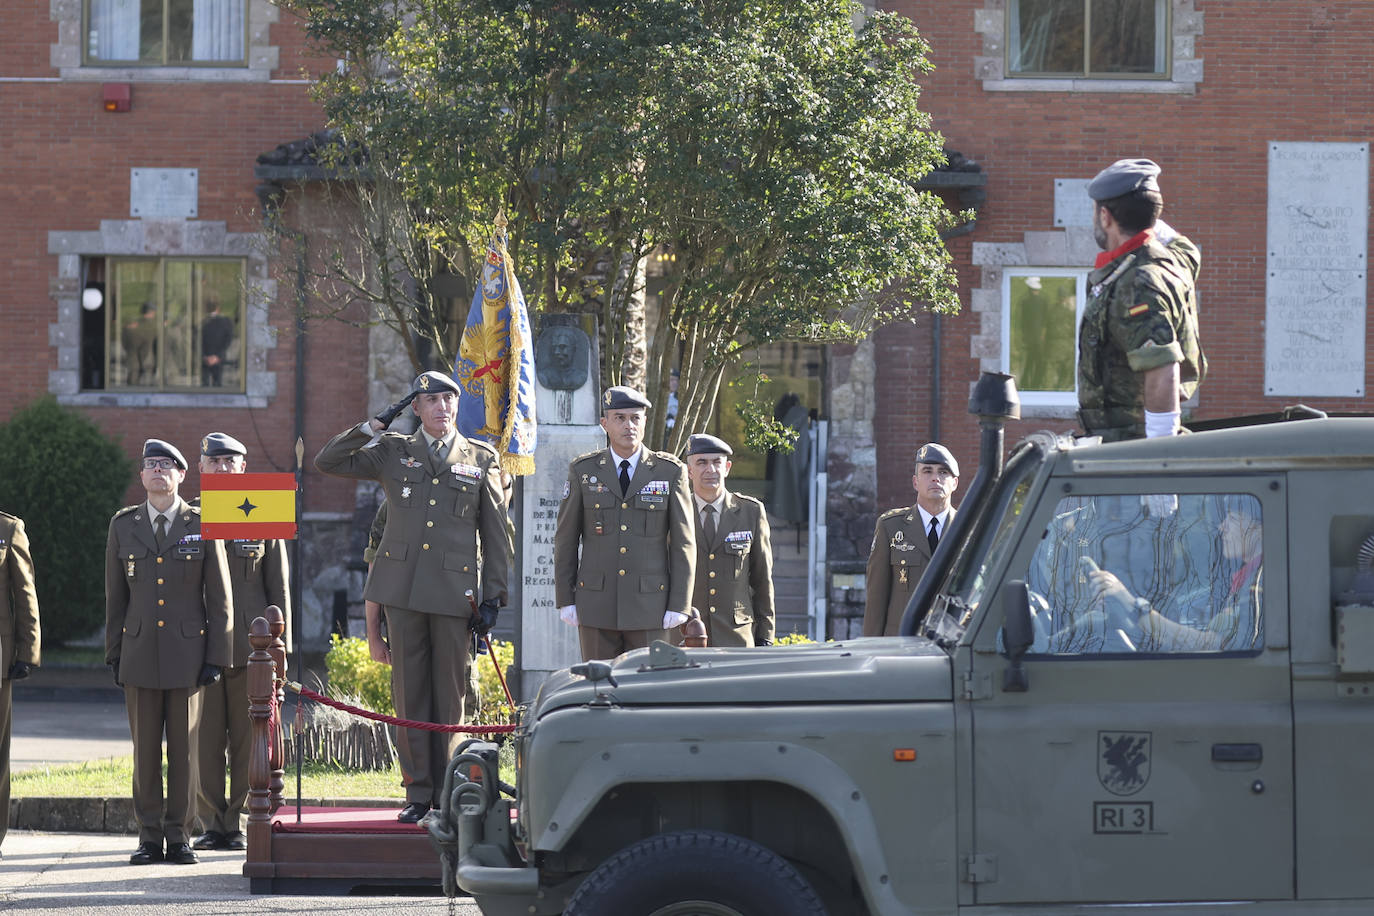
(247, 507)
(495, 363)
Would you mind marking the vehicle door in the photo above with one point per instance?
(1150, 757)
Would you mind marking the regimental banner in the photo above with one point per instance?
(247, 507)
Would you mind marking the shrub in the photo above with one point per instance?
(353, 674)
(793, 639)
(65, 479)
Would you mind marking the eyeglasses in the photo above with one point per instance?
(158, 464)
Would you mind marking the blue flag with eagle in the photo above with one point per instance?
(495, 363)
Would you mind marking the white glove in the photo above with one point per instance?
(1161, 505)
(568, 614)
(674, 619)
(1161, 424)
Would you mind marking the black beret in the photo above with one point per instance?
(217, 444)
(622, 397)
(1123, 177)
(702, 444)
(935, 453)
(432, 382)
(156, 448)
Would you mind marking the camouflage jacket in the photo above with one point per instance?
(1141, 314)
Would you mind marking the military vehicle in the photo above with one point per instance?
(1144, 677)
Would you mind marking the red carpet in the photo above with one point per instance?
(342, 820)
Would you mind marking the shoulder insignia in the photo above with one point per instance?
(744, 498)
(126, 510)
(587, 455)
(670, 458)
(485, 445)
(893, 513)
(1140, 309)
(194, 508)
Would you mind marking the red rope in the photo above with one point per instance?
(403, 723)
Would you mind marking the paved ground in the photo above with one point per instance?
(88, 873)
(52, 731)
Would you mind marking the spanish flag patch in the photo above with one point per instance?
(1138, 310)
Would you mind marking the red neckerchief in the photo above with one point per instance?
(1244, 573)
(1131, 244)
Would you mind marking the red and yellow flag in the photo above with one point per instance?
(247, 507)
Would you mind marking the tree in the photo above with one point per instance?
(770, 147)
(65, 512)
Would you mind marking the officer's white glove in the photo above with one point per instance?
(1161, 424)
(568, 614)
(1161, 505)
(673, 619)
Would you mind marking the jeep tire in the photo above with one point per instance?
(695, 873)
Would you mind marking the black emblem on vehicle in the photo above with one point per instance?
(1123, 761)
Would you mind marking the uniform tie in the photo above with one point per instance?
(161, 533)
(624, 477)
(438, 447)
(708, 523)
(933, 537)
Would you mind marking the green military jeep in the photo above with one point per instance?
(1145, 678)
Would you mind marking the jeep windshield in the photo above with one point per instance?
(974, 572)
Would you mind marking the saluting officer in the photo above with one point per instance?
(20, 640)
(630, 511)
(167, 634)
(258, 576)
(905, 540)
(733, 587)
(445, 510)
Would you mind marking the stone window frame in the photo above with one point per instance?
(261, 57)
(1185, 25)
(169, 239)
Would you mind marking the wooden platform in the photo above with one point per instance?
(341, 851)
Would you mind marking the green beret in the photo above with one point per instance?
(432, 382)
(702, 444)
(623, 397)
(935, 453)
(157, 448)
(218, 444)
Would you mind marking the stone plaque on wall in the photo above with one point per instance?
(164, 193)
(1315, 270)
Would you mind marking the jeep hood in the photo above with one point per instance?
(885, 669)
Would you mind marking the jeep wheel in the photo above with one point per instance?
(695, 873)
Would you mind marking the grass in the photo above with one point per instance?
(74, 656)
(114, 777)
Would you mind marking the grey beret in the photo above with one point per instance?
(217, 444)
(432, 382)
(702, 444)
(623, 397)
(1123, 177)
(935, 453)
(157, 448)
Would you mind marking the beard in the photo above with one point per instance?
(1099, 235)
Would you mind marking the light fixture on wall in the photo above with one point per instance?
(93, 296)
(117, 96)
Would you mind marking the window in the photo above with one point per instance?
(165, 32)
(1041, 309)
(162, 324)
(1153, 573)
(1088, 38)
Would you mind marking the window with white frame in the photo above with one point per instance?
(1041, 308)
(165, 32)
(1091, 39)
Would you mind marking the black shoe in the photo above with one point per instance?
(235, 840)
(412, 812)
(147, 854)
(210, 839)
(181, 854)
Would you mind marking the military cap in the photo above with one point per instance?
(935, 453)
(702, 444)
(432, 382)
(156, 448)
(623, 397)
(218, 444)
(1123, 177)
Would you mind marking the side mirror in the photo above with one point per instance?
(1017, 634)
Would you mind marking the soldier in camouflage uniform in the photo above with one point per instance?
(1139, 355)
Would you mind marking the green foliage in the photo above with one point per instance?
(65, 479)
(355, 676)
(794, 639)
(771, 148)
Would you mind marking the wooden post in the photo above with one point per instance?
(261, 674)
(276, 624)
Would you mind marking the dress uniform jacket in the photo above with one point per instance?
(428, 555)
(733, 587)
(638, 551)
(19, 636)
(1141, 314)
(167, 613)
(900, 555)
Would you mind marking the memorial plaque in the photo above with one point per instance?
(1316, 261)
(164, 193)
(1072, 205)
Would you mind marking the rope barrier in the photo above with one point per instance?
(403, 723)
